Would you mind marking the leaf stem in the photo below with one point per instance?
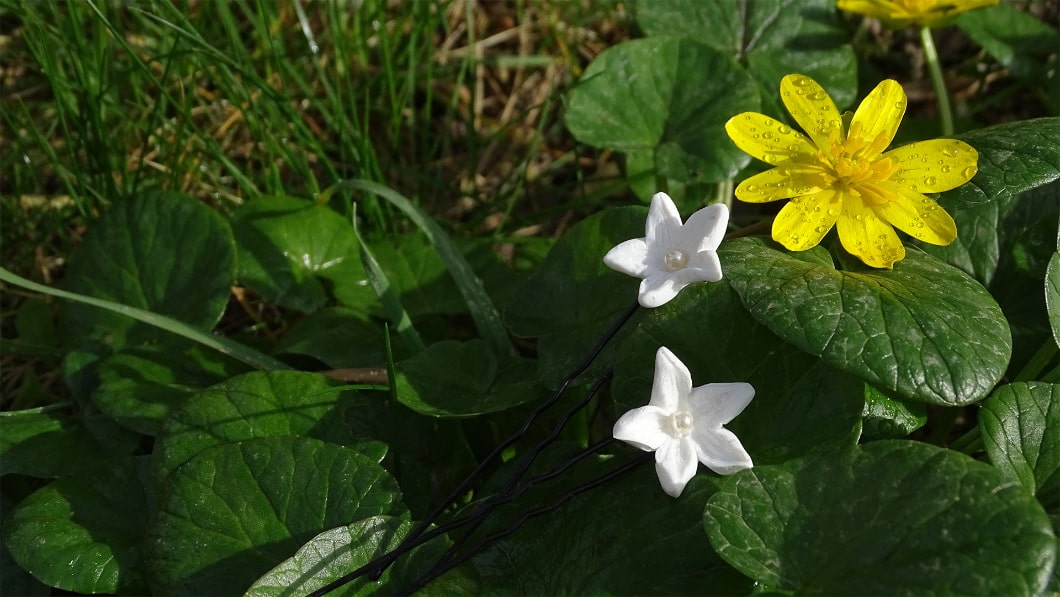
(942, 95)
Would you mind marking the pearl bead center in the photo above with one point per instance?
(675, 260)
(682, 423)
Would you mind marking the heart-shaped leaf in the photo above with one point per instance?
(288, 245)
(771, 39)
(162, 252)
(49, 444)
(890, 517)
(235, 510)
(1013, 158)
(258, 404)
(336, 552)
(139, 386)
(1020, 424)
(924, 330)
(669, 95)
(84, 533)
(800, 403)
(486, 383)
(574, 298)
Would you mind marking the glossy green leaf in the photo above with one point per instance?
(460, 379)
(800, 403)
(1013, 158)
(338, 337)
(886, 417)
(235, 510)
(84, 533)
(288, 247)
(14, 579)
(890, 517)
(977, 250)
(1020, 425)
(1052, 295)
(277, 404)
(335, 552)
(140, 386)
(162, 252)
(669, 95)
(624, 538)
(924, 330)
(771, 39)
(48, 444)
(574, 298)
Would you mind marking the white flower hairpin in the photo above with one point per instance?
(672, 255)
(683, 425)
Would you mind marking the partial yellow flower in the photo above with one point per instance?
(837, 173)
(919, 12)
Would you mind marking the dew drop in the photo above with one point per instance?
(753, 129)
(946, 168)
(767, 135)
(833, 212)
(819, 96)
(950, 151)
(752, 188)
(820, 230)
(675, 260)
(801, 81)
(923, 160)
(930, 181)
(748, 117)
(900, 105)
(969, 172)
(784, 129)
(768, 122)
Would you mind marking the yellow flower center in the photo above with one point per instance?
(856, 159)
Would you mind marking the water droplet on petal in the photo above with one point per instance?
(950, 151)
(930, 181)
(752, 188)
(768, 121)
(946, 168)
(900, 105)
(820, 230)
(969, 172)
(783, 129)
(767, 135)
(820, 95)
(801, 81)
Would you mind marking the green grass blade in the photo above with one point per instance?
(483, 312)
(220, 343)
(392, 306)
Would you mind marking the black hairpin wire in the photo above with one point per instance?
(376, 567)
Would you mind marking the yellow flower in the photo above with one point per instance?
(920, 12)
(839, 175)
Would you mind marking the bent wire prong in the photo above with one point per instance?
(376, 567)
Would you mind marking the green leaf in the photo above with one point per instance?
(574, 298)
(886, 417)
(161, 252)
(668, 95)
(276, 404)
(1020, 42)
(235, 510)
(140, 386)
(772, 39)
(462, 379)
(287, 246)
(1020, 425)
(626, 538)
(335, 552)
(924, 330)
(1013, 158)
(339, 337)
(890, 517)
(14, 579)
(976, 251)
(485, 315)
(1052, 295)
(84, 533)
(45, 443)
(800, 403)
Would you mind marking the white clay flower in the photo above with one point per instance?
(683, 425)
(672, 255)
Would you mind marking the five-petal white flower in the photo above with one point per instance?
(683, 425)
(672, 255)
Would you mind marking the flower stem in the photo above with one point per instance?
(941, 94)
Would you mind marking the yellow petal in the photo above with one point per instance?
(811, 107)
(912, 213)
(866, 236)
(879, 114)
(804, 221)
(782, 182)
(767, 139)
(934, 166)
